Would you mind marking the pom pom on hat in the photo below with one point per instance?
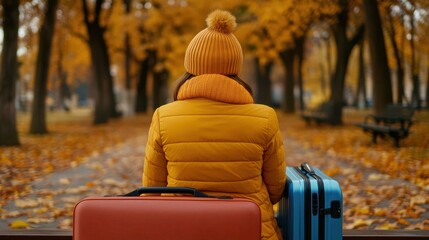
(221, 21)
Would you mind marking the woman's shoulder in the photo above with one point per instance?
(263, 107)
(264, 110)
(209, 107)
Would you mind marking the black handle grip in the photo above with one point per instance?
(159, 190)
(307, 168)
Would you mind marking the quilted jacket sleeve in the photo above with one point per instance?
(274, 166)
(155, 164)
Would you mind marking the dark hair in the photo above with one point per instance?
(186, 76)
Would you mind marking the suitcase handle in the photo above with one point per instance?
(179, 190)
(307, 168)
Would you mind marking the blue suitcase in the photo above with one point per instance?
(311, 207)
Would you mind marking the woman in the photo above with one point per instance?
(213, 138)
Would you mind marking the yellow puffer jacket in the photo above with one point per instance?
(204, 142)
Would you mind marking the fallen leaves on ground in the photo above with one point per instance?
(73, 143)
(68, 144)
(50, 204)
(367, 205)
(409, 162)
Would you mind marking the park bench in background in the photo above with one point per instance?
(395, 122)
(319, 115)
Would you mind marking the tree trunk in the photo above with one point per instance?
(415, 95)
(263, 82)
(344, 48)
(65, 92)
(427, 87)
(8, 74)
(105, 104)
(322, 73)
(337, 84)
(127, 65)
(127, 47)
(299, 43)
(416, 98)
(160, 80)
(361, 87)
(329, 57)
(64, 88)
(287, 56)
(380, 70)
(46, 33)
(322, 79)
(127, 62)
(101, 112)
(113, 113)
(127, 96)
(403, 62)
(141, 99)
(398, 59)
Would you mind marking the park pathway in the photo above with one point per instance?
(372, 200)
(52, 198)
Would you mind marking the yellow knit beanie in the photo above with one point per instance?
(215, 49)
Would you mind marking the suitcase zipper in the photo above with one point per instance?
(307, 198)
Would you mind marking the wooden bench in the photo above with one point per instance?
(318, 115)
(395, 122)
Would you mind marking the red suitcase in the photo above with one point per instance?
(160, 217)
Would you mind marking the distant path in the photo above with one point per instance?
(372, 200)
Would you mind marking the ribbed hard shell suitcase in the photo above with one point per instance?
(135, 217)
(311, 207)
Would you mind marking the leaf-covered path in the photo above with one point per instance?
(51, 199)
(372, 198)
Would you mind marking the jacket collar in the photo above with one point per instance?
(216, 87)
